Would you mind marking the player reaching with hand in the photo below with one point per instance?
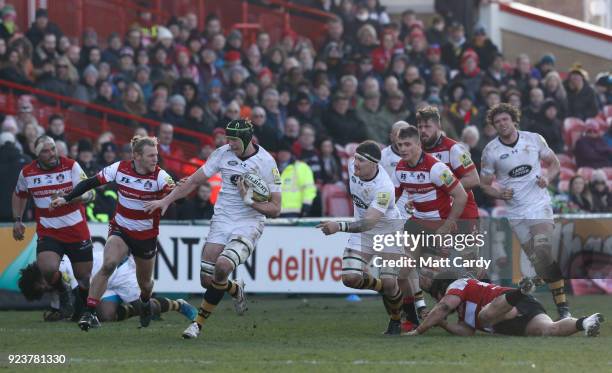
(373, 193)
(132, 230)
(239, 217)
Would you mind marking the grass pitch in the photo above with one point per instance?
(300, 334)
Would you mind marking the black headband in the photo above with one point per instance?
(368, 156)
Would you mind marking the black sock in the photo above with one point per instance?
(579, 322)
(410, 311)
(164, 304)
(513, 297)
(125, 311)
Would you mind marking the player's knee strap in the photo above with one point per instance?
(207, 268)
(352, 263)
(238, 250)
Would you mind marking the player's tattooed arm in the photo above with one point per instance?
(372, 216)
(440, 311)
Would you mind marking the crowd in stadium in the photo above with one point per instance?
(306, 102)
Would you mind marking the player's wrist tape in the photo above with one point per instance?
(419, 304)
(344, 225)
(17, 219)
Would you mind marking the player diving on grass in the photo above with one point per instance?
(119, 301)
(496, 309)
(132, 230)
(239, 217)
(513, 159)
(373, 193)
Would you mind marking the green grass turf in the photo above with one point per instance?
(301, 334)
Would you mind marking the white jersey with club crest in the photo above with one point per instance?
(378, 193)
(224, 161)
(517, 167)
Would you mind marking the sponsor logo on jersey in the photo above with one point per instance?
(358, 202)
(383, 198)
(60, 178)
(148, 185)
(234, 179)
(466, 160)
(276, 176)
(504, 156)
(446, 177)
(353, 179)
(420, 176)
(125, 179)
(232, 163)
(519, 171)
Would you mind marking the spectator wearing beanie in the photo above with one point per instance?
(42, 26)
(87, 90)
(175, 113)
(602, 198)
(470, 74)
(108, 155)
(484, 47)
(85, 157)
(581, 99)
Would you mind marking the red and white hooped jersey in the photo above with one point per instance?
(474, 296)
(457, 157)
(134, 190)
(428, 185)
(67, 223)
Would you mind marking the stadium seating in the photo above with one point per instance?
(336, 201)
(567, 161)
(572, 130)
(563, 186)
(585, 172)
(566, 173)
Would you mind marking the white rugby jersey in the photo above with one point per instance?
(389, 160)
(133, 191)
(125, 271)
(518, 167)
(378, 193)
(224, 161)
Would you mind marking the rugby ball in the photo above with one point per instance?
(261, 191)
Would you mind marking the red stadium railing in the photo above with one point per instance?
(97, 120)
(107, 16)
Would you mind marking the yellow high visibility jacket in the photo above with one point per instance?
(298, 187)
